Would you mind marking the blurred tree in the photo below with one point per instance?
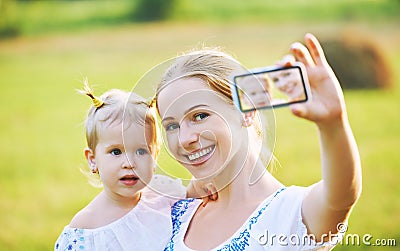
(152, 10)
(8, 27)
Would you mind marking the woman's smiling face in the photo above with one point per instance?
(200, 126)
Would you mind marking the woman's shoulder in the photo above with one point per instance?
(280, 212)
(296, 193)
(284, 200)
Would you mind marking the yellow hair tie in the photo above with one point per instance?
(152, 103)
(97, 102)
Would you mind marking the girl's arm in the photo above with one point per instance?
(331, 200)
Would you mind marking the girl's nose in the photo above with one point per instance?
(128, 162)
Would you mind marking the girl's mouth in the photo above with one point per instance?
(201, 156)
(129, 180)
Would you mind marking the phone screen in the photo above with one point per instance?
(271, 87)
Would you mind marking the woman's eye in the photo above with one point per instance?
(286, 74)
(200, 116)
(116, 152)
(141, 151)
(171, 126)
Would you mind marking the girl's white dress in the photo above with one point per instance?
(146, 227)
(275, 225)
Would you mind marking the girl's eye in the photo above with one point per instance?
(141, 151)
(200, 116)
(116, 152)
(171, 126)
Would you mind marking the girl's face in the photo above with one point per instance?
(200, 126)
(123, 159)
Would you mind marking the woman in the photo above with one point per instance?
(217, 143)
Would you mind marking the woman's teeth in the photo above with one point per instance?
(200, 153)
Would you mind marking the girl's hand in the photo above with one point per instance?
(212, 194)
(327, 102)
(202, 189)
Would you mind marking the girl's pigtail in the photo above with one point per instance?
(152, 103)
(97, 102)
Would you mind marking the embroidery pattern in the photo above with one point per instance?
(178, 210)
(254, 219)
(235, 244)
(75, 240)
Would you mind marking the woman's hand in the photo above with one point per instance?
(327, 101)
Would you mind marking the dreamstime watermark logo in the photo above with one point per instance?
(339, 238)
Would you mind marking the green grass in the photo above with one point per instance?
(42, 136)
(30, 18)
(285, 11)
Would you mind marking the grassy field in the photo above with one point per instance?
(42, 136)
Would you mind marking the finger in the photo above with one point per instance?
(213, 196)
(302, 54)
(205, 201)
(287, 61)
(299, 110)
(212, 191)
(315, 49)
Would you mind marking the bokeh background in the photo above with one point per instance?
(48, 47)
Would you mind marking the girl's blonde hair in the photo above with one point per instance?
(216, 68)
(117, 106)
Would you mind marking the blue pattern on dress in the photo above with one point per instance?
(178, 209)
(75, 240)
(253, 220)
(238, 243)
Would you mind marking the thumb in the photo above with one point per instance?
(299, 110)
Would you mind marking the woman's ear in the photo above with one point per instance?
(248, 118)
(91, 160)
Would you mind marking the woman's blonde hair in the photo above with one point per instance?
(211, 65)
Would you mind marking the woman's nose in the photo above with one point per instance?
(188, 136)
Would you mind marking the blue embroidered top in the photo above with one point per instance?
(275, 225)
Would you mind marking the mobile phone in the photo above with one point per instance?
(271, 87)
